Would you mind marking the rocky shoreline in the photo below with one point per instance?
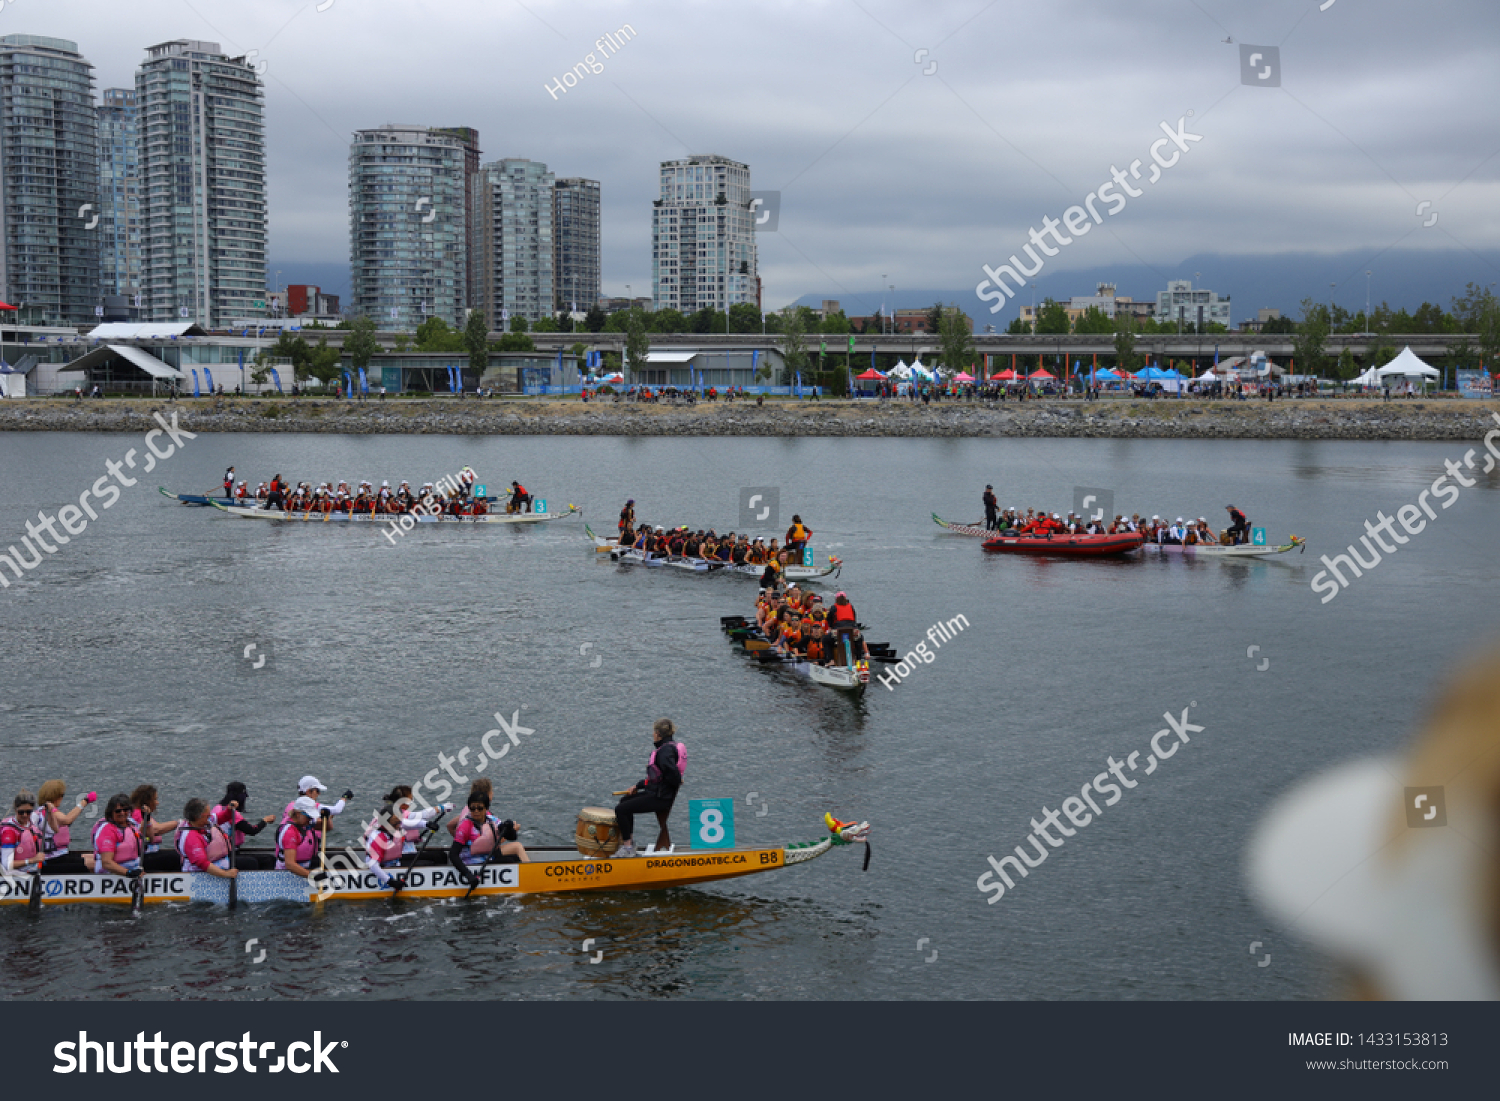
(1343, 419)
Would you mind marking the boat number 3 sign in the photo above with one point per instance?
(713, 823)
(538, 506)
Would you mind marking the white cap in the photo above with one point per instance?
(1178, 520)
(308, 783)
(307, 806)
(385, 483)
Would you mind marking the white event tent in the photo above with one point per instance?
(1407, 364)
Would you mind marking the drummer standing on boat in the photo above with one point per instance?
(990, 507)
(657, 792)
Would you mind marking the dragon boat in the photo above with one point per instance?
(391, 517)
(629, 556)
(551, 871)
(853, 678)
(204, 500)
(1212, 550)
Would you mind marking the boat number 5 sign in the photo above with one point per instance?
(713, 823)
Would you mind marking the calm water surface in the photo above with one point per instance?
(124, 665)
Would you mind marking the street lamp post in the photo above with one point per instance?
(1367, 303)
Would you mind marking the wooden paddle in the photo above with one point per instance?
(234, 883)
(34, 895)
(424, 841)
(479, 875)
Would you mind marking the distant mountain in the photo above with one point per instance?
(1403, 279)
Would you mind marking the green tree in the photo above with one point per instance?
(793, 353)
(1094, 321)
(1126, 358)
(637, 343)
(293, 348)
(477, 341)
(836, 324)
(707, 320)
(1309, 340)
(668, 321)
(594, 320)
(360, 344)
(564, 322)
(956, 339)
(618, 322)
(323, 362)
(400, 342)
(934, 319)
(1280, 325)
(744, 317)
(1346, 368)
(1052, 317)
(545, 325)
(518, 324)
(1017, 327)
(434, 335)
(515, 342)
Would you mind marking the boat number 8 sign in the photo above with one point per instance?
(713, 823)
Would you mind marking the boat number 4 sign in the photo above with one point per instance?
(713, 823)
(1258, 536)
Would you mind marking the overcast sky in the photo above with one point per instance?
(921, 168)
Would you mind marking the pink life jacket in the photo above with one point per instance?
(215, 843)
(220, 816)
(484, 843)
(654, 773)
(381, 846)
(53, 841)
(127, 843)
(23, 835)
(304, 844)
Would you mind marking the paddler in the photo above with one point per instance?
(990, 507)
(407, 824)
(312, 788)
(118, 847)
(20, 841)
(276, 493)
(52, 824)
(627, 515)
(144, 801)
(657, 792)
(229, 483)
(770, 577)
(201, 844)
(841, 621)
(797, 536)
(1239, 526)
(297, 838)
(226, 815)
(520, 500)
(476, 837)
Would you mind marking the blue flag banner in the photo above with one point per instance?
(276, 379)
(209, 379)
(1216, 355)
(364, 383)
(348, 386)
(754, 361)
(797, 389)
(195, 382)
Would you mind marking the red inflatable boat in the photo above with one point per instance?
(1077, 546)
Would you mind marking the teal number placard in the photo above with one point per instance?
(713, 823)
(807, 556)
(538, 506)
(1258, 536)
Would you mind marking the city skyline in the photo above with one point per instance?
(886, 162)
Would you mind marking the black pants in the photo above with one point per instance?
(643, 803)
(989, 519)
(69, 863)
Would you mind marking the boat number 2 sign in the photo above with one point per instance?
(713, 823)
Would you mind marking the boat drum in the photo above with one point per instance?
(598, 834)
